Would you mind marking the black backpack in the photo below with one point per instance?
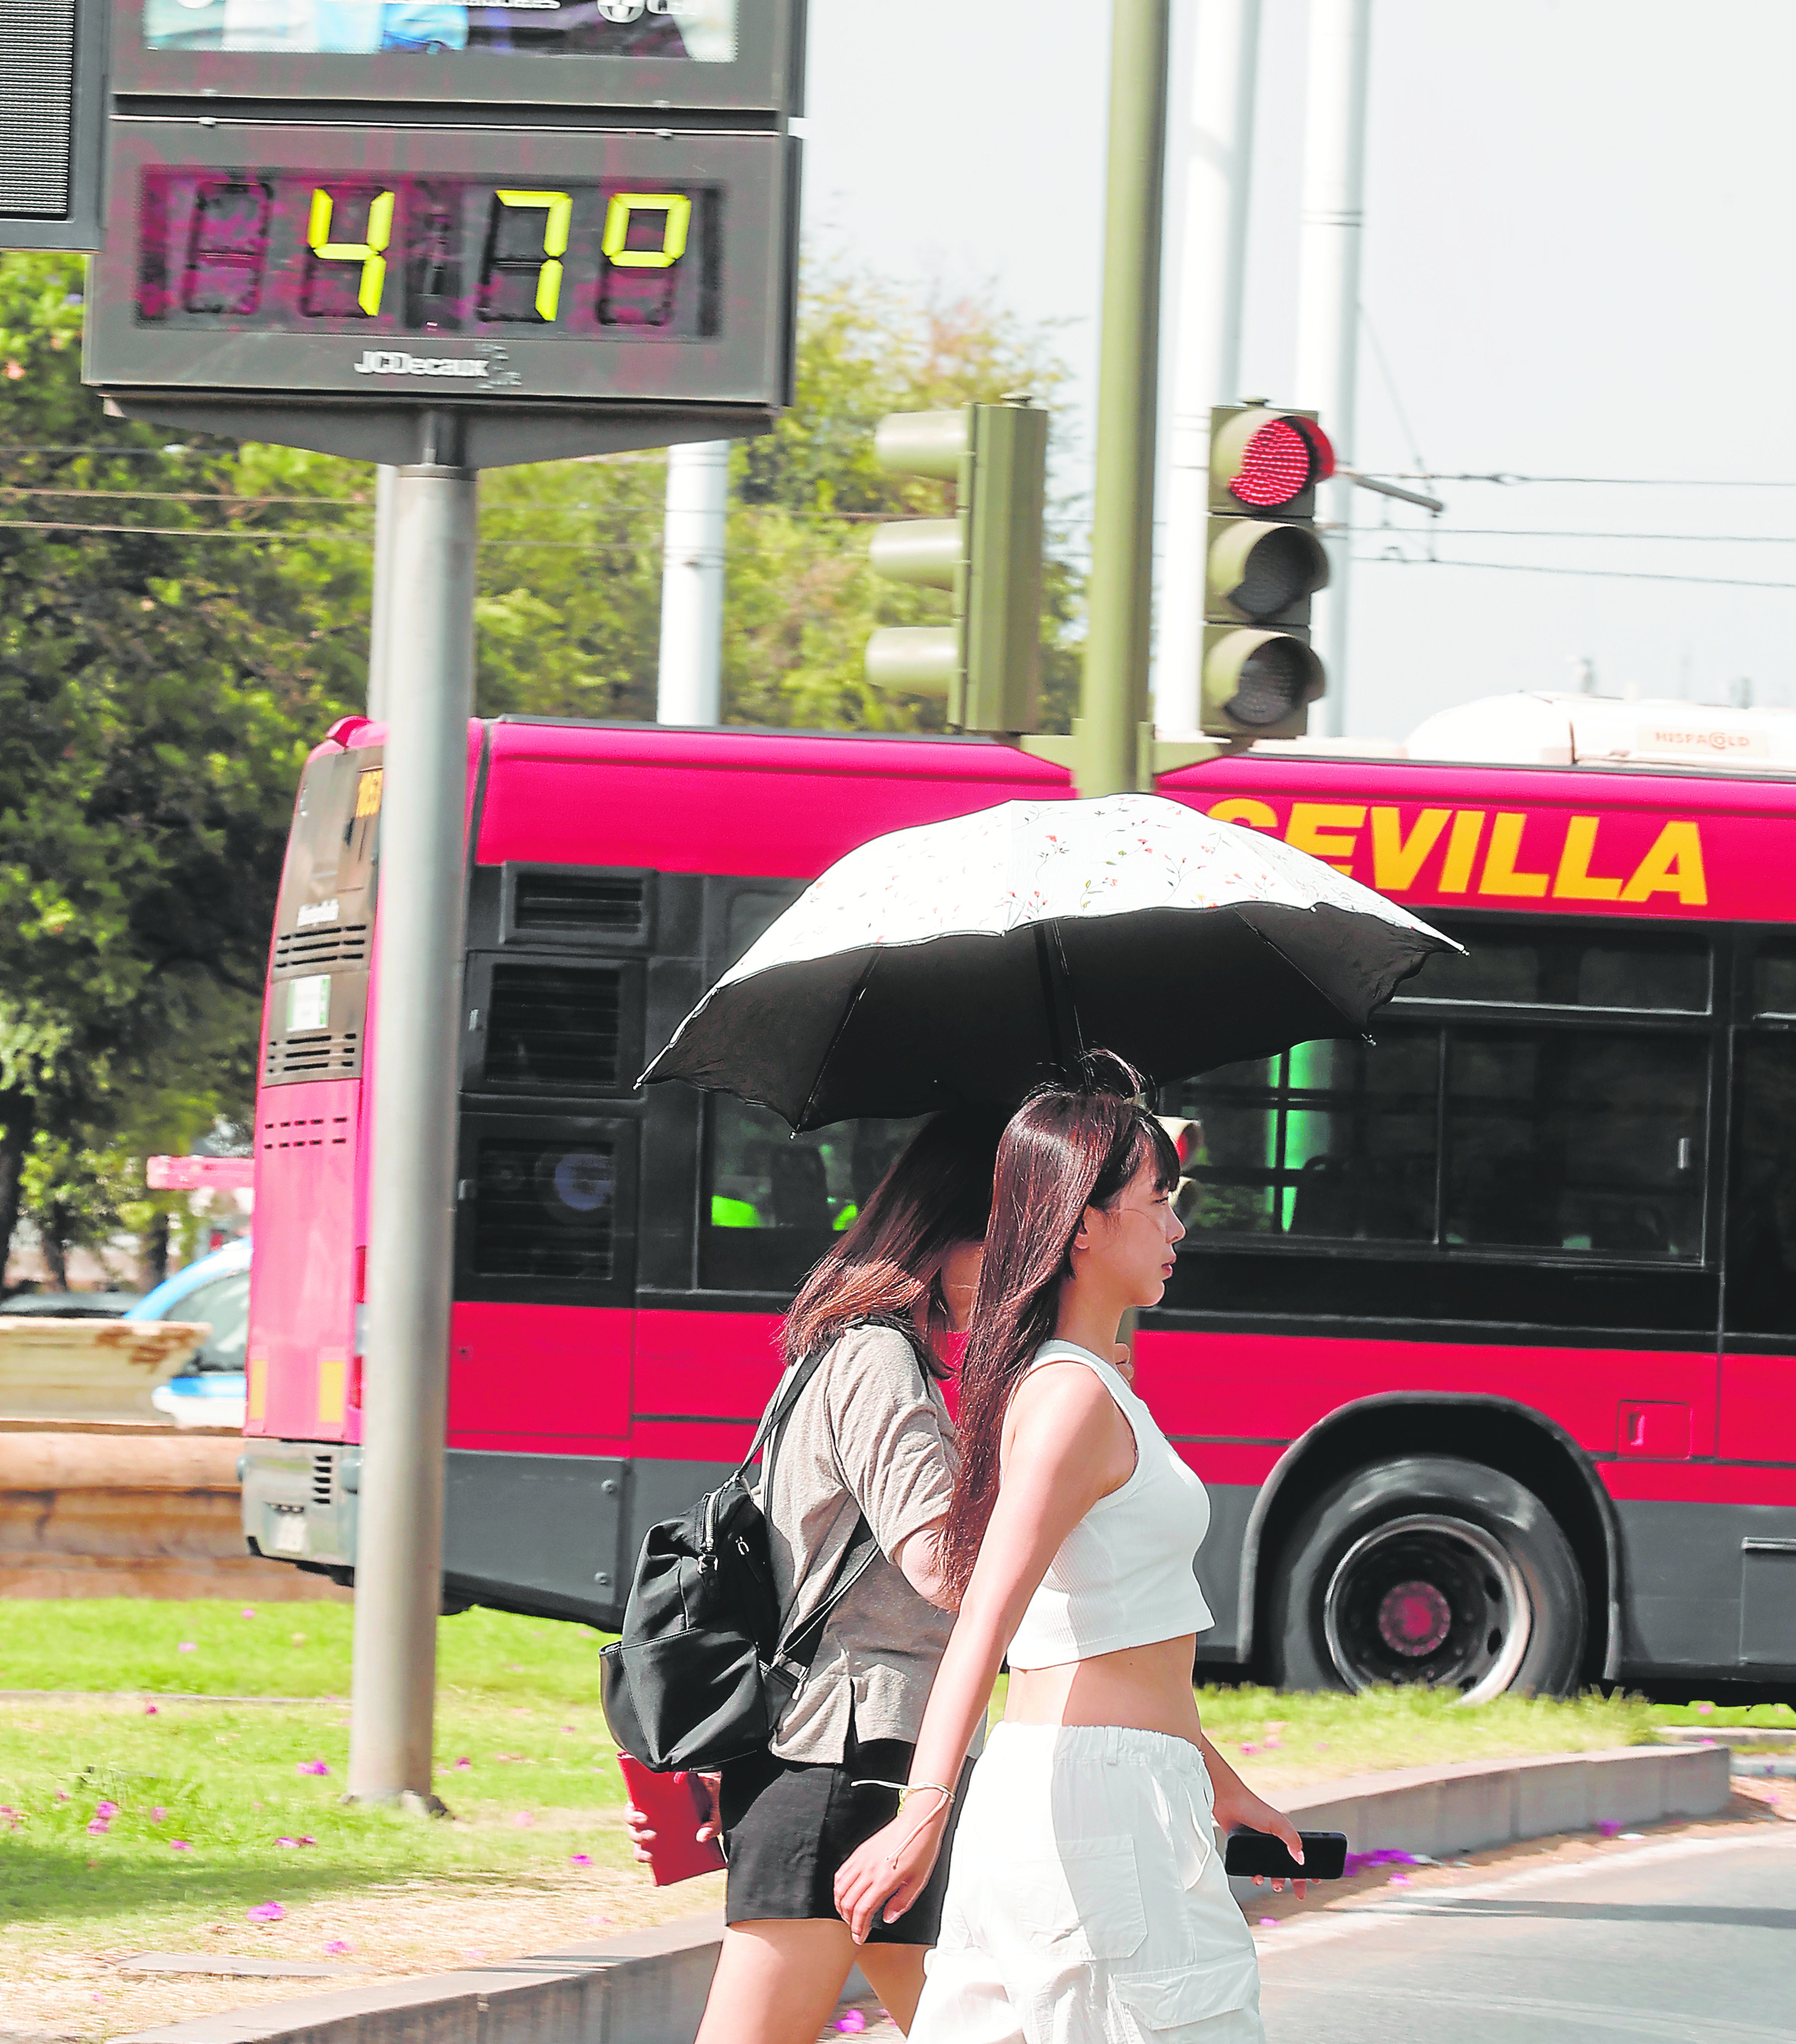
(701, 1673)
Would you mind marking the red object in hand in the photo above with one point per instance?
(675, 1805)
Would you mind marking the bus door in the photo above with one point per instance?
(1758, 1416)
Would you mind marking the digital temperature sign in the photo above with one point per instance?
(523, 264)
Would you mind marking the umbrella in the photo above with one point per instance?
(967, 961)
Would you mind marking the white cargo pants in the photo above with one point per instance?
(1086, 1902)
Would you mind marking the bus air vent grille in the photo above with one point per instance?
(610, 905)
(555, 1028)
(320, 1057)
(545, 1210)
(305, 951)
(323, 1467)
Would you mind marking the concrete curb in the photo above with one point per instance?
(649, 1987)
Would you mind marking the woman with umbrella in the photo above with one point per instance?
(1086, 1897)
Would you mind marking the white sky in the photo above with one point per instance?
(1578, 258)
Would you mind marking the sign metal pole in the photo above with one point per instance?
(424, 809)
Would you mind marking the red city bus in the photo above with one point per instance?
(1483, 1338)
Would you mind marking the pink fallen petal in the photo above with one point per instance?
(474, 1955)
(1702, 1710)
(1247, 1746)
(600, 1923)
(851, 2023)
(99, 1827)
(246, 1612)
(265, 1912)
(524, 1820)
(187, 1646)
(1266, 1921)
(157, 1813)
(312, 1767)
(305, 1839)
(1399, 1881)
(1323, 1747)
(580, 1859)
(62, 1795)
(150, 1710)
(463, 1763)
(286, 1841)
(179, 1845)
(105, 1809)
(337, 1946)
(1609, 1828)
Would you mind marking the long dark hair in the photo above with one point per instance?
(937, 1193)
(1066, 1149)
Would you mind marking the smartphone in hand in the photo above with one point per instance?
(1325, 1855)
(675, 1805)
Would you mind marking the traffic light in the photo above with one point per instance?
(1263, 562)
(987, 663)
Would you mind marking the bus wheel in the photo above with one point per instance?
(1429, 1571)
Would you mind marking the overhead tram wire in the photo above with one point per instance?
(1509, 478)
(1395, 560)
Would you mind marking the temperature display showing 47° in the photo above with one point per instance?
(425, 256)
(518, 264)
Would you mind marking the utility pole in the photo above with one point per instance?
(1112, 739)
(429, 688)
(1328, 303)
(1216, 138)
(380, 618)
(689, 689)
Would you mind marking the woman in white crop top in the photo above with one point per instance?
(1086, 1902)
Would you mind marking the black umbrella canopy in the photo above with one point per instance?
(919, 1014)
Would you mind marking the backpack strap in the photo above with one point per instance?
(797, 1650)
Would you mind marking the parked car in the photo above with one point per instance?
(209, 1389)
(71, 1306)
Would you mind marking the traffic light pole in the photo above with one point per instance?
(1328, 298)
(380, 607)
(429, 686)
(1110, 741)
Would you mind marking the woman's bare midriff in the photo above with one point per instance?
(1146, 1687)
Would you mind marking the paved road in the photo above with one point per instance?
(1692, 1939)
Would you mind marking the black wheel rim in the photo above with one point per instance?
(1428, 1600)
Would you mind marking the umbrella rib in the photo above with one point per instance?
(841, 1031)
(1047, 931)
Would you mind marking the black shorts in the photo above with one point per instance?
(788, 1825)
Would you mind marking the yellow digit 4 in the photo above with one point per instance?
(370, 253)
(675, 205)
(554, 242)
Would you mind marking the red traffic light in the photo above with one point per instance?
(1282, 458)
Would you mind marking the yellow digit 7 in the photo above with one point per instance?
(678, 209)
(370, 253)
(554, 242)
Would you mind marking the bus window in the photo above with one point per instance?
(1536, 965)
(1774, 976)
(771, 1202)
(1576, 1140)
(1761, 1245)
(1330, 1139)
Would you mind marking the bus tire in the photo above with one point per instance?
(1431, 1570)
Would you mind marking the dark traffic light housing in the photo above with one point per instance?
(1263, 562)
(987, 665)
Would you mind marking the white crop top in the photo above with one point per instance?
(1123, 1576)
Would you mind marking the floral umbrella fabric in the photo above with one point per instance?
(970, 960)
